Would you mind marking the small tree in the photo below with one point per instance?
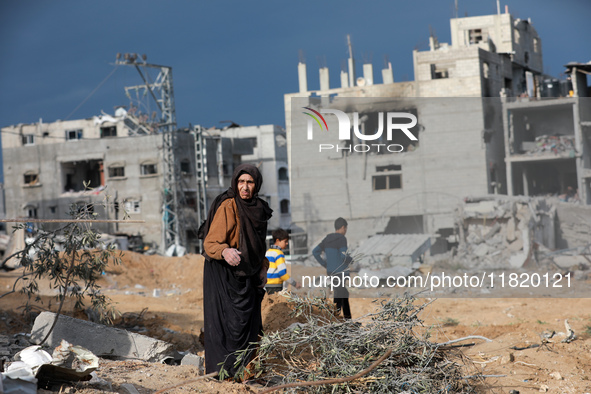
(72, 258)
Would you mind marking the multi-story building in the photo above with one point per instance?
(268, 145)
(50, 166)
(459, 149)
(119, 161)
(548, 142)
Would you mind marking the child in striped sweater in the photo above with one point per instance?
(277, 272)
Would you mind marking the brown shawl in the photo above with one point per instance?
(253, 213)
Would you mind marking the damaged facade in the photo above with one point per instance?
(263, 146)
(548, 142)
(460, 147)
(47, 166)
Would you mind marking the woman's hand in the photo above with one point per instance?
(232, 256)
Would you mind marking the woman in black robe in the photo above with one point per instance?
(234, 272)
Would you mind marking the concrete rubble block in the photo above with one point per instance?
(193, 359)
(510, 231)
(516, 245)
(481, 250)
(101, 340)
(492, 231)
(473, 239)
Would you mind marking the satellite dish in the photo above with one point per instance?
(360, 81)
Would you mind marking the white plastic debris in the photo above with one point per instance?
(27, 363)
(32, 363)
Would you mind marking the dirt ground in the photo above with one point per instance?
(518, 358)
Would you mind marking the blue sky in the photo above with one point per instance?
(232, 60)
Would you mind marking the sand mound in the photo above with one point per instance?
(153, 272)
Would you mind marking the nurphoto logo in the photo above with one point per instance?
(392, 120)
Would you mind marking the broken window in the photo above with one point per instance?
(108, 131)
(132, 206)
(75, 174)
(73, 135)
(516, 36)
(399, 137)
(28, 139)
(191, 200)
(185, 166)
(83, 208)
(148, 169)
(387, 182)
(31, 178)
(282, 174)
(369, 125)
(439, 72)
(31, 211)
(389, 167)
(284, 206)
(116, 172)
(253, 141)
(476, 36)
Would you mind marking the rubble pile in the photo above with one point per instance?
(11, 345)
(551, 143)
(502, 232)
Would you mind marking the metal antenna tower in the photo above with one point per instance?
(161, 90)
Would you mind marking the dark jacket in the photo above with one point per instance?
(334, 247)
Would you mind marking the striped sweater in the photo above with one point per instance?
(277, 272)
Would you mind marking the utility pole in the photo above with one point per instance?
(161, 90)
(201, 175)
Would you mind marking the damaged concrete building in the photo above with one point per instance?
(47, 166)
(263, 146)
(458, 149)
(548, 142)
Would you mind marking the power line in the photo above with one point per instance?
(91, 93)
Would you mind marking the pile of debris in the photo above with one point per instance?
(550, 144)
(502, 232)
(33, 367)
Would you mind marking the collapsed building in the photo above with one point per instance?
(456, 147)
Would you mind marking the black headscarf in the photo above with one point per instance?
(253, 213)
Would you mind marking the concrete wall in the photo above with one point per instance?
(501, 34)
(55, 133)
(461, 149)
(51, 157)
(52, 201)
(448, 164)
